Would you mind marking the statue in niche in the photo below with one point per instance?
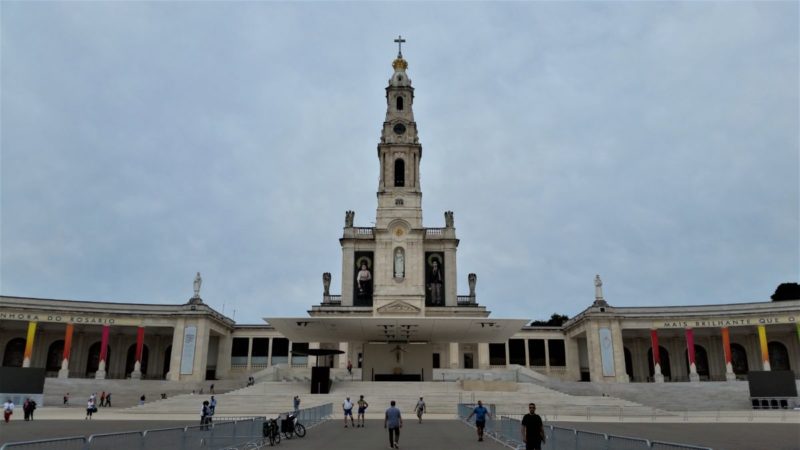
(435, 285)
(448, 219)
(472, 279)
(364, 277)
(399, 263)
(326, 284)
(198, 281)
(349, 217)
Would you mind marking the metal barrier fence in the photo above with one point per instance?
(508, 431)
(225, 433)
(215, 435)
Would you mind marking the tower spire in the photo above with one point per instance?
(400, 41)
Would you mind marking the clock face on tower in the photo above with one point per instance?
(399, 128)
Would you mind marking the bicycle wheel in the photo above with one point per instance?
(271, 440)
(287, 435)
(300, 430)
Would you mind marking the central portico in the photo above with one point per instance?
(399, 278)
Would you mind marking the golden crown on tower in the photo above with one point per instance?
(400, 63)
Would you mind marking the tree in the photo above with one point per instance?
(556, 320)
(786, 291)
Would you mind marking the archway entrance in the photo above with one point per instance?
(665, 365)
(14, 353)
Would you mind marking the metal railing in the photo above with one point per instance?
(227, 432)
(508, 431)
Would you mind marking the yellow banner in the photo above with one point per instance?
(29, 342)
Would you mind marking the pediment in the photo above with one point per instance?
(398, 307)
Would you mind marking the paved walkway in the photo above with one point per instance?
(719, 436)
(430, 435)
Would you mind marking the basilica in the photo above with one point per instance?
(399, 314)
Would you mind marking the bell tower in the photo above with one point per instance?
(399, 152)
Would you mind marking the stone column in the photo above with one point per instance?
(508, 355)
(573, 358)
(174, 373)
(348, 272)
(64, 372)
(137, 365)
(224, 348)
(344, 357)
(762, 339)
(201, 350)
(483, 355)
(593, 350)
(101, 369)
(693, 376)
(249, 354)
(26, 362)
(527, 354)
(269, 352)
(658, 377)
(547, 356)
(726, 349)
(453, 355)
(450, 276)
(619, 353)
(311, 360)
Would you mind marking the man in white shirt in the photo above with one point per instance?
(347, 407)
(8, 409)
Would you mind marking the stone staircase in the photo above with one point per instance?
(703, 396)
(126, 393)
(273, 397)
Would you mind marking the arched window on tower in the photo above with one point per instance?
(399, 103)
(399, 172)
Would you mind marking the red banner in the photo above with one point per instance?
(104, 343)
(139, 343)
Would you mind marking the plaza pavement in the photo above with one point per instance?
(430, 435)
(435, 433)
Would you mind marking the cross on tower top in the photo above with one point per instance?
(399, 41)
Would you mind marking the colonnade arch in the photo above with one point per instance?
(665, 365)
(55, 353)
(739, 359)
(130, 360)
(93, 361)
(14, 353)
(700, 361)
(778, 356)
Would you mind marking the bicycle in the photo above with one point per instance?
(271, 431)
(291, 427)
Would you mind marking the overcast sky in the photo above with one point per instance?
(655, 144)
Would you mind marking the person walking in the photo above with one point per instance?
(420, 409)
(32, 408)
(103, 399)
(108, 400)
(393, 421)
(480, 412)
(212, 405)
(362, 408)
(141, 400)
(296, 403)
(211, 388)
(347, 407)
(90, 408)
(8, 410)
(26, 405)
(66, 400)
(532, 429)
(350, 367)
(205, 415)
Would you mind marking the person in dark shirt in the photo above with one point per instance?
(532, 429)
